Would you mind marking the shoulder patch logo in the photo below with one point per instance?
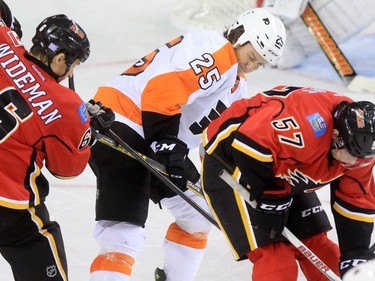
(318, 124)
(83, 113)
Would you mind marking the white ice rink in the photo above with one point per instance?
(120, 33)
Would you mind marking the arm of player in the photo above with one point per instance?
(353, 208)
(256, 166)
(67, 145)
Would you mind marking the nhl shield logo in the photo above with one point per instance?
(51, 271)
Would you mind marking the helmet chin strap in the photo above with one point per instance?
(71, 83)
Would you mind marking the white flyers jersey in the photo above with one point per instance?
(177, 89)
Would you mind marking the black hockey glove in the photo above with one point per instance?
(17, 27)
(171, 152)
(101, 117)
(354, 259)
(271, 213)
(8, 18)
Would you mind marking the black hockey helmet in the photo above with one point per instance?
(60, 33)
(355, 122)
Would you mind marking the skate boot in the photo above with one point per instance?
(160, 275)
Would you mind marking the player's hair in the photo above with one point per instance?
(234, 34)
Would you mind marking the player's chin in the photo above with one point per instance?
(359, 163)
(242, 69)
(61, 78)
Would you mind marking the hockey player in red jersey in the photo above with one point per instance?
(281, 144)
(165, 101)
(41, 123)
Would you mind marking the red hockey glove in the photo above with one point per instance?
(272, 213)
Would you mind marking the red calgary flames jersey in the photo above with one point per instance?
(280, 143)
(41, 122)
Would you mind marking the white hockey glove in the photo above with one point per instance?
(101, 117)
(287, 10)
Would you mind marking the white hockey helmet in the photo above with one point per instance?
(264, 31)
(362, 272)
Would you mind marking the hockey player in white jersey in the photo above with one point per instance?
(167, 99)
(342, 18)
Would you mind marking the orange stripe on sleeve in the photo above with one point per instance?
(119, 103)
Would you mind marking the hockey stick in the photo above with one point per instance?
(336, 57)
(71, 83)
(112, 143)
(302, 248)
(372, 248)
(155, 165)
(163, 178)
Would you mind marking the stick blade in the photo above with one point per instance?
(362, 84)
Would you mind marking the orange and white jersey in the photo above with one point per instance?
(177, 89)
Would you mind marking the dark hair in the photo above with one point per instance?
(233, 35)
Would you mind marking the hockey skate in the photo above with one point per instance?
(159, 275)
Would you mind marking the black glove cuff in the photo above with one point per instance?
(171, 145)
(354, 259)
(101, 117)
(273, 205)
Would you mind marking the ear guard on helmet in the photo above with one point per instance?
(356, 125)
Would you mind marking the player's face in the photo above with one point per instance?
(70, 71)
(341, 154)
(248, 59)
(58, 66)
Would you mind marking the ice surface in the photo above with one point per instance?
(121, 32)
